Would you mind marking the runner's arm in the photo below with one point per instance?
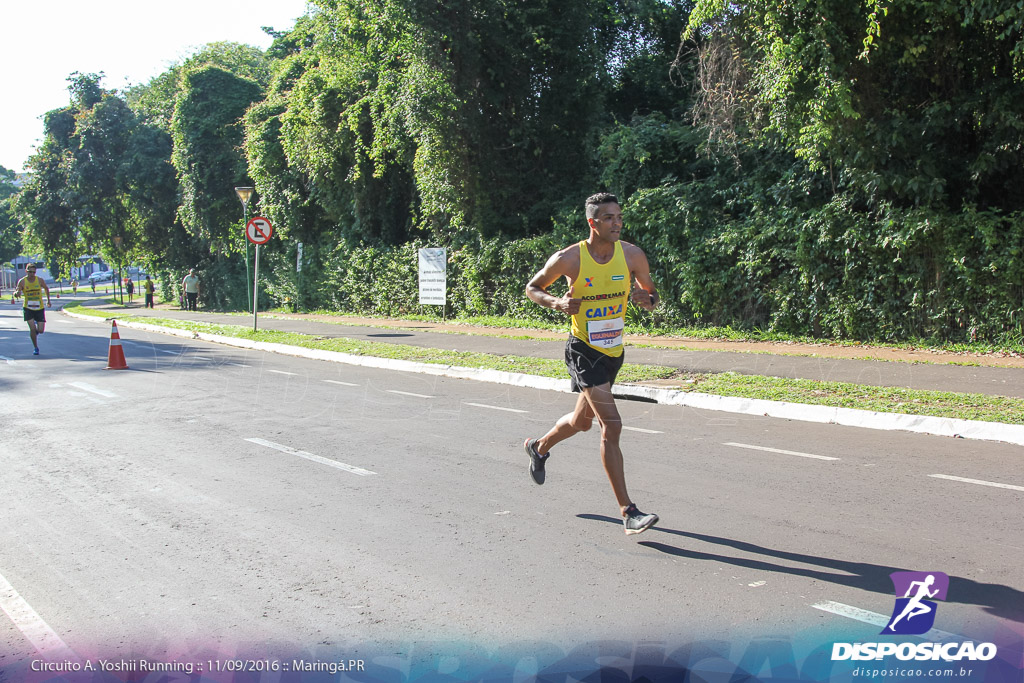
(645, 294)
(558, 265)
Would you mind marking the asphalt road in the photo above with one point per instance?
(210, 502)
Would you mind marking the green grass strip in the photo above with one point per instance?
(846, 395)
(543, 367)
(834, 394)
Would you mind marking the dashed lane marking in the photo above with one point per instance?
(876, 619)
(408, 393)
(311, 456)
(778, 450)
(344, 384)
(484, 405)
(32, 626)
(642, 430)
(980, 482)
(95, 390)
(282, 372)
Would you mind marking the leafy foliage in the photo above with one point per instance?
(10, 239)
(815, 167)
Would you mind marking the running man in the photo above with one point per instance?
(31, 288)
(915, 607)
(599, 271)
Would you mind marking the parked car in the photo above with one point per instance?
(102, 276)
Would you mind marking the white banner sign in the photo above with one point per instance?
(433, 276)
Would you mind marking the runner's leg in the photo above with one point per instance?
(602, 404)
(579, 420)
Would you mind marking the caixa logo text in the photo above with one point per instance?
(948, 652)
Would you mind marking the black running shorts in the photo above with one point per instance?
(589, 367)
(39, 315)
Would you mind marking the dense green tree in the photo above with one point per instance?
(44, 205)
(208, 136)
(10, 228)
(911, 102)
(154, 101)
(473, 117)
(100, 181)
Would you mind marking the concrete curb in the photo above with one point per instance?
(866, 419)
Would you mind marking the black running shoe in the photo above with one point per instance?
(637, 522)
(536, 461)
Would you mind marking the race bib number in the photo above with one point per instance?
(34, 305)
(605, 333)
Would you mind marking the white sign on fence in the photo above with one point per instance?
(433, 276)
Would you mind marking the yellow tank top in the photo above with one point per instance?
(604, 289)
(32, 293)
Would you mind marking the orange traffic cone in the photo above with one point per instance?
(115, 355)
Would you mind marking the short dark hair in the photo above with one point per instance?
(596, 200)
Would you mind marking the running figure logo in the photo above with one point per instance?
(914, 613)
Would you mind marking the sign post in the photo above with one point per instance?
(244, 195)
(258, 231)
(434, 277)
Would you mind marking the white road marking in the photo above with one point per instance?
(42, 637)
(639, 429)
(978, 481)
(876, 619)
(240, 365)
(407, 393)
(508, 410)
(88, 387)
(310, 456)
(344, 384)
(779, 450)
(281, 372)
(9, 361)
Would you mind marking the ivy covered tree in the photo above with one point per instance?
(207, 132)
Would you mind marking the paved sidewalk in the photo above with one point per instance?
(984, 379)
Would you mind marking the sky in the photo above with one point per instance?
(42, 42)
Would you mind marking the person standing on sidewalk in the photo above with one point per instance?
(150, 290)
(190, 284)
(32, 288)
(600, 271)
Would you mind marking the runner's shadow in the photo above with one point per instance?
(995, 599)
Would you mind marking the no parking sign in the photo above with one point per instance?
(258, 230)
